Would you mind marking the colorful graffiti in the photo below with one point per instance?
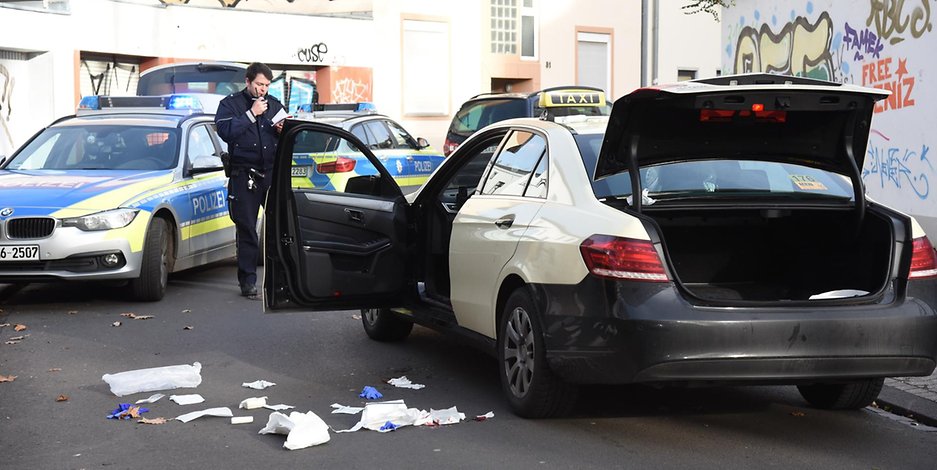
(862, 42)
(799, 48)
(900, 83)
(899, 168)
(891, 21)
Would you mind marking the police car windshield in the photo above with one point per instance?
(100, 147)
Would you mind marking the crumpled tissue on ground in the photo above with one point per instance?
(151, 399)
(404, 382)
(301, 429)
(258, 384)
(348, 410)
(223, 412)
(390, 415)
(187, 399)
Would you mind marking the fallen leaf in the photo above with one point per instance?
(152, 421)
(7, 378)
(116, 323)
(187, 327)
(133, 412)
(798, 413)
(62, 398)
(55, 369)
(19, 327)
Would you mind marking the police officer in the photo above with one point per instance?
(244, 122)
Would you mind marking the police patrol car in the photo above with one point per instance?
(130, 188)
(710, 232)
(330, 163)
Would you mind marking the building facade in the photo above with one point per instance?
(416, 60)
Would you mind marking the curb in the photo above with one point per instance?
(920, 409)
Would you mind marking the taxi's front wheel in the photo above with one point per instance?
(156, 265)
(383, 325)
(532, 389)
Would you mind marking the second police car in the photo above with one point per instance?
(130, 188)
(710, 232)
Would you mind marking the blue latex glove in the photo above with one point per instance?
(370, 393)
(121, 412)
(388, 426)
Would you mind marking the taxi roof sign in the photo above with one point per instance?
(571, 97)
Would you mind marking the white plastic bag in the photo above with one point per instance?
(157, 378)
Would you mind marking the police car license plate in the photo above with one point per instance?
(19, 252)
(301, 171)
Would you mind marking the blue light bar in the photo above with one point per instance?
(366, 106)
(184, 102)
(90, 102)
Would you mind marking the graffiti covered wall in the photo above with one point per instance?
(887, 44)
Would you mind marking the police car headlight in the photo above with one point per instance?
(106, 220)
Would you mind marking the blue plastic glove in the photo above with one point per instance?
(370, 393)
(388, 426)
(122, 411)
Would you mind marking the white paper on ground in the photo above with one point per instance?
(376, 415)
(253, 403)
(187, 399)
(153, 379)
(442, 417)
(258, 384)
(302, 429)
(404, 382)
(152, 399)
(838, 294)
(223, 412)
(488, 415)
(279, 407)
(348, 410)
(242, 419)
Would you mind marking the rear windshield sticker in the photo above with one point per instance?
(807, 183)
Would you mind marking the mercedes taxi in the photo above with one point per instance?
(709, 232)
(127, 189)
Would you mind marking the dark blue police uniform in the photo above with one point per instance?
(252, 146)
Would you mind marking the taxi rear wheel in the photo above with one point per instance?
(842, 396)
(157, 263)
(532, 389)
(383, 325)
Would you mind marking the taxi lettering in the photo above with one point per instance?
(576, 98)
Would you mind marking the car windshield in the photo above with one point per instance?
(99, 147)
(485, 112)
(193, 78)
(716, 178)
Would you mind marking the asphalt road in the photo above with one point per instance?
(317, 359)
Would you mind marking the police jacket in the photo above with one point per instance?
(252, 142)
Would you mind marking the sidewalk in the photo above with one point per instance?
(915, 397)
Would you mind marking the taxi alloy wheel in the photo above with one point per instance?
(157, 263)
(532, 389)
(842, 396)
(383, 325)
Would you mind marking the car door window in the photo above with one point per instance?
(382, 138)
(360, 132)
(463, 183)
(537, 187)
(200, 142)
(512, 168)
(331, 163)
(402, 138)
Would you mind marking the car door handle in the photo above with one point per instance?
(354, 215)
(505, 222)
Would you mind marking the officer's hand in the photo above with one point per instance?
(278, 126)
(259, 107)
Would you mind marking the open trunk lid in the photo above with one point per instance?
(767, 117)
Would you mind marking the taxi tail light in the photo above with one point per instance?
(339, 165)
(923, 260)
(622, 258)
(757, 112)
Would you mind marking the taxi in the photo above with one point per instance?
(709, 232)
(127, 189)
(330, 163)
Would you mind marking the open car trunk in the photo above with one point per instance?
(765, 255)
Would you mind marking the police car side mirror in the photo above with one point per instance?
(205, 164)
(421, 143)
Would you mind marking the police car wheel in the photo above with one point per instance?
(532, 389)
(383, 325)
(842, 396)
(157, 263)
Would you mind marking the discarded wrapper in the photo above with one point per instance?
(153, 379)
(253, 403)
(187, 399)
(151, 399)
(348, 410)
(302, 429)
(390, 415)
(223, 412)
(485, 416)
(242, 419)
(404, 382)
(258, 384)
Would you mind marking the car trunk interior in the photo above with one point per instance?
(775, 254)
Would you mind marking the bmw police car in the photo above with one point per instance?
(710, 232)
(130, 188)
(329, 163)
